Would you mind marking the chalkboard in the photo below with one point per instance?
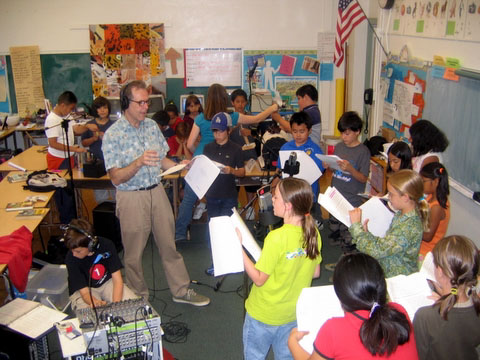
(61, 72)
(455, 107)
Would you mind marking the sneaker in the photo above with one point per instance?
(199, 210)
(319, 224)
(330, 267)
(192, 298)
(210, 271)
(187, 238)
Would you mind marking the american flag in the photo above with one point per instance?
(350, 14)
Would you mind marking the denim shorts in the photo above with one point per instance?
(258, 337)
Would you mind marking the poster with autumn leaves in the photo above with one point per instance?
(121, 53)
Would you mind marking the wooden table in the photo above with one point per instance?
(32, 159)
(28, 139)
(4, 134)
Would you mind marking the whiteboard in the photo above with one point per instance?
(206, 66)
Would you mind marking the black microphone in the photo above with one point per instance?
(252, 70)
(292, 160)
(99, 257)
(292, 166)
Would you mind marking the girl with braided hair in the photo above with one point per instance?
(450, 329)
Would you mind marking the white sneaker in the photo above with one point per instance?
(199, 210)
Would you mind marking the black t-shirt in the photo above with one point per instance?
(228, 154)
(78, 269)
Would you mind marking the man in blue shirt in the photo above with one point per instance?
(135, 153)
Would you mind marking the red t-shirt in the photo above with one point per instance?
(177, 121)
(173, 144)
(339, 338)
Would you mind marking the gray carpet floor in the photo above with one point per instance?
(215, 331)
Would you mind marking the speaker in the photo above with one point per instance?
(106, 223)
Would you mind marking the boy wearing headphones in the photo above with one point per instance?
(92, 262)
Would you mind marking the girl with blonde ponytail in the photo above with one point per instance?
(450, 329)
(397, 251)
(289, 260)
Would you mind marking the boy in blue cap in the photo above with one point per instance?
(222, 195)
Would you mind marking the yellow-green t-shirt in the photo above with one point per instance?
(289, 269)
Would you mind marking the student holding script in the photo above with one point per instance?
(371, 328)
(397, 251)
(289, 260)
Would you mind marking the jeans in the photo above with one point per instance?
(220, 207)
(258, 337)
(185, 211)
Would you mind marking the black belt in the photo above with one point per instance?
(148, 188)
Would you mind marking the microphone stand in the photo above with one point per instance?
(64, 124)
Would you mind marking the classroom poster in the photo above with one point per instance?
(4, 103)
(451, 19)
(282, 71)
(27, 76)
(121, 53)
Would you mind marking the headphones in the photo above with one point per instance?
(93, 240)
(124, 99)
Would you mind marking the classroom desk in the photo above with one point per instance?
(14, 192)
(32, 159)
(28, 139)
(5, 134)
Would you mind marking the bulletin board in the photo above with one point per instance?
(206, 66)
(281, 70)
(403, 91)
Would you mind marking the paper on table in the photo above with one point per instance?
(226, 248)
(316, 305)
(331, 161)
(248, 241)
(309, 171)
(201, 175)
(173, 169)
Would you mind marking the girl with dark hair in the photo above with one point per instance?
(435, 185)
(428, 143)
(399, 157)
(289, 260)
(397, 251)
(193, 107)
(450, 328)
(371, 327)
(93, 139)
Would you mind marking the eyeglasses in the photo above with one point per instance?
(142, 102)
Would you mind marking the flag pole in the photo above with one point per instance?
(371, 27)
